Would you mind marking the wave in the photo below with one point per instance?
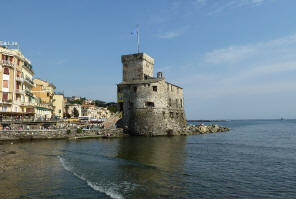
(108, 191)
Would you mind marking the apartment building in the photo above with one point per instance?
(14, 68)
(44, 92)
(59, 104)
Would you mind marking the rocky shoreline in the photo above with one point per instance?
(203, 129)
(71, 134)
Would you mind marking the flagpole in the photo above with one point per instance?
(138, 38)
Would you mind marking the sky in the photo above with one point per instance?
(235, 59)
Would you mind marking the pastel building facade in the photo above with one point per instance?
(14, 67)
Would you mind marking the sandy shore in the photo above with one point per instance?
(10, 156)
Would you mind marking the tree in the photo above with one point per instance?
(100, 103)
(112, 108)
(75, 112)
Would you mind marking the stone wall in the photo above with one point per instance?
(137, 66)
(150, 108)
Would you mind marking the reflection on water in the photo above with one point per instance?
(160, 162)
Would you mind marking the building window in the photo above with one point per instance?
(4, 57)
(135, 89)
(5, 96)
(154, 88)
(145, 77)
(4, 108)
(18, 85)
(149, 104)
(47, 94)
(5, 83)
(6, 71)
(118, 89)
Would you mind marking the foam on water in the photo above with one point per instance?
(108, 191)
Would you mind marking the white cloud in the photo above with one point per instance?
(219, 6)
(235, 54)
(172, 34)
(259, 69)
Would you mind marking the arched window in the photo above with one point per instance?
(6, 71)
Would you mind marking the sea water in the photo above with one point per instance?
(256, 159)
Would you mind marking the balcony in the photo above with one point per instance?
(28, 66)
(5, 101)
(7, 63)
(28, 104)
(19, 91)
(29, 81)
(19, 79)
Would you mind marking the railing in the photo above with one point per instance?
(6, 101)
(28, 66)
(7, 63)
(28, 92)
(19, 91)
(28, 80)
(20, 79)
(29, 104)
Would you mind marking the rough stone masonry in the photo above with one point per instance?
(150, 105)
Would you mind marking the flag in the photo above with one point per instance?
(134, 32)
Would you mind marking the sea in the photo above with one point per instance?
(255, 159)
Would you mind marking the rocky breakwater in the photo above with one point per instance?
(202, 129)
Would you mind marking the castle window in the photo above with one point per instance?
(181, 102)
(149, 104)
(135, 89)
(145, 77)
(131, 105)
(6, 71)
(171, 114)
(118, 89)
(163, 114)
(154, 88)
(170, 102)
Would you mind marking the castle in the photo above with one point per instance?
(150, 105)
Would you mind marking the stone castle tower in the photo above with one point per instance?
(150, 105)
